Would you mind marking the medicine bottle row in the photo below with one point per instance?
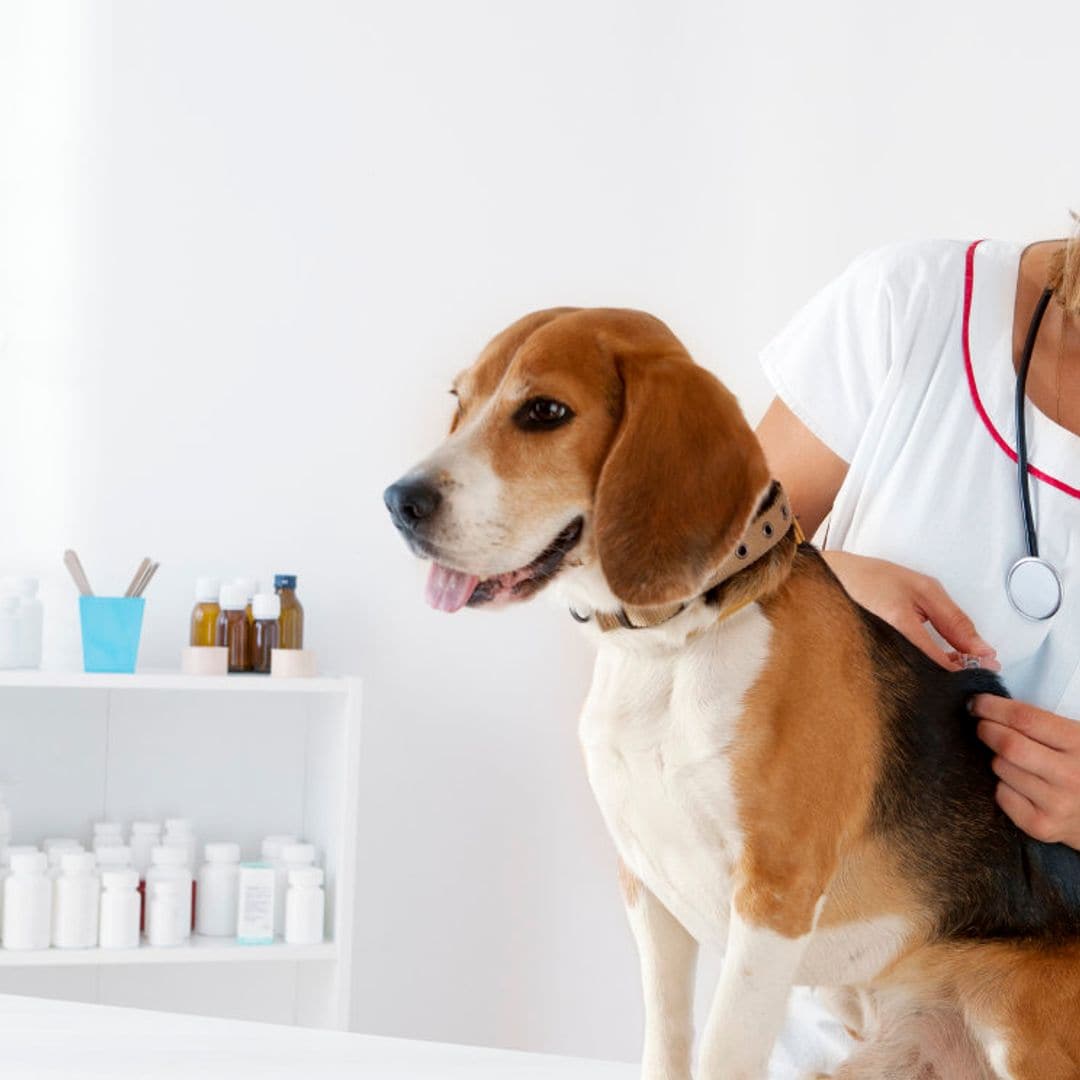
(247, 622)
(118, 894)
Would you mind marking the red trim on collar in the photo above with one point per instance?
(969, 282)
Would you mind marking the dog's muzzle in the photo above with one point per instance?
(411, 502)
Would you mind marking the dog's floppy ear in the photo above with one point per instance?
(679, 484)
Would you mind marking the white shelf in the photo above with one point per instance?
(172, 680)
(243, 755)
(198, 951)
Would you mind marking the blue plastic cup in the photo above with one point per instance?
(111, 628)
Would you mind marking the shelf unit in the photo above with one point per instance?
(243, 756)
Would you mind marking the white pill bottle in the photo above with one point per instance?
(305, 906)
(27, 902)
(216, 891)
(121, 908)
(75, 902)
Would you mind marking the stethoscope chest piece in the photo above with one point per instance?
(1033, 588)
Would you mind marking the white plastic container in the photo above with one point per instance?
(28, 616)
(168, 863)
(10, 653)
(107, 834)
(292, 857)
(27, 902)
(305, 906)
(120, 904)
(56, 852)
(5, 868)
(75, 902)
(272, 845)
(145, 836)
(5, 823)
(255, 904)
(114, 857)
(217, 890)
(168, 907)
(69, 843)
(179, 833)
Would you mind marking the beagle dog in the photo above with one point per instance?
(782, 773)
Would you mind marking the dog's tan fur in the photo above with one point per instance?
(665, 469)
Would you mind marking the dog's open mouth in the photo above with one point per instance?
(449, 590)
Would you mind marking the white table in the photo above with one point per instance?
(60, 1039)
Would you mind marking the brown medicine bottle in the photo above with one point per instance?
(266, 607)
(232, 627)
(250, 587)
(204, 615)
(292, 613)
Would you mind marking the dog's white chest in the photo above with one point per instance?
(658, 731)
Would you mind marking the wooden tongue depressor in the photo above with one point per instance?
(151, 570)
(137, 577)
(75, 569)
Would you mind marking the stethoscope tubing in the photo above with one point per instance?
(1046, 575)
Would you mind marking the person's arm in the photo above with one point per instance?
(811, 474)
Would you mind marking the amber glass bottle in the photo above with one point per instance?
(205, 613)
(264, 631)
(232, 628)
(250, 587)
(292, 613)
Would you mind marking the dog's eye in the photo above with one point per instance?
(542, 414)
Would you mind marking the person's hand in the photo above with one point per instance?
(1037, 763)
(908, 601)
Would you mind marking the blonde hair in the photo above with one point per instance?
(1065, 271)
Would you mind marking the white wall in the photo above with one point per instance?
(246, 245)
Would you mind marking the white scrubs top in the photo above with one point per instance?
(903, 367)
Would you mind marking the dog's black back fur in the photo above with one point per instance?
(935, 800)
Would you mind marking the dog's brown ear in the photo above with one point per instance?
(679, 483)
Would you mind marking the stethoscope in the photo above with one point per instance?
(1032, 584)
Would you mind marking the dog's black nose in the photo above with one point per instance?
(410, 502)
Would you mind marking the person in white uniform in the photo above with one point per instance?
(893, 429)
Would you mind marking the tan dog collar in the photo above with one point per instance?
(770, 525)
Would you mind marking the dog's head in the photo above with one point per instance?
(583, 440)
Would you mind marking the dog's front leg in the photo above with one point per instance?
(760, 964)
(668, 957)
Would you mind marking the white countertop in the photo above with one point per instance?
(60, 1039)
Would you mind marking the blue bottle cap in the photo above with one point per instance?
(284, 581)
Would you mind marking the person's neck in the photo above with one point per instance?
(1053, 385)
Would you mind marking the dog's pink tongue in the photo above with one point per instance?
(448, 590)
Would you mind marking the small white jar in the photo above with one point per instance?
(168, 863)
(5, 868)
(55, 850)
(10, 653)
(179, 833)
(75, 903)
(293, 856)
(107, 834)
(120, 908)
(27, 902)
(305, 906)
(55, 843)
(28, 613)
(272, 847)
(168, 907)
(114, 857)
(145, 836)
(216, 891)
